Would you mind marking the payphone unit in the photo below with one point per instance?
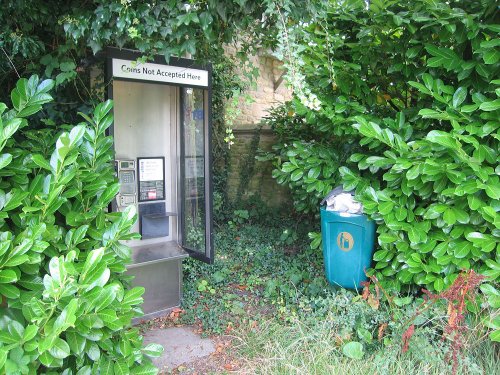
(128, 186)
(161, 130)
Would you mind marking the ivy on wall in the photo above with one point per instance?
(227, 86)
(247, 164)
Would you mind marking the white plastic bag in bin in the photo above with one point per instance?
(342, 201)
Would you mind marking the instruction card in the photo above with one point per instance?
(151, 178)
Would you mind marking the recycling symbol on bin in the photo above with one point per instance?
(345, 241)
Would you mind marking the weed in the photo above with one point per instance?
(239, 218)
(455, 298)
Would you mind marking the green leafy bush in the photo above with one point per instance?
(437, 203)
(415, 85)
(306, 161)
(66, 304)
(436, 188)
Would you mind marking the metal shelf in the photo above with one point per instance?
(154, 253)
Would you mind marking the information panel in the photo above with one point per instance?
(151, 177)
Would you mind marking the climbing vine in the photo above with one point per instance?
(226, 86)
(247, 166)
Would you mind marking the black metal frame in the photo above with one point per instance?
(208, 191)
(131, 55)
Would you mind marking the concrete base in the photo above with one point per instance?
(162, 282)
(180, 344)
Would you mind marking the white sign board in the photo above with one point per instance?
(151, 169)
(159, 73)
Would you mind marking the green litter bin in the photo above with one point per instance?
(348, 242)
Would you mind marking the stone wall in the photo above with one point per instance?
(270, 90)
(260, 183)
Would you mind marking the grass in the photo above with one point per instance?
(300, 348)
(287, 320)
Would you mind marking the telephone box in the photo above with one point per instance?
(161, 130)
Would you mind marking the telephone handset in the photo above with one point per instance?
(128, 185)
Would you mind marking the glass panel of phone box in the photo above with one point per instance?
(194, 168)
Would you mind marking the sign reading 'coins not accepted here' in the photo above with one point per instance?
(159, 73)
(345, 242)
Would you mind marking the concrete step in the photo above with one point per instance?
(180, 344)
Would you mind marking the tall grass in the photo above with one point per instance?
(313, 348)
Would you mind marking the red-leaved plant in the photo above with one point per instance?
(463, 289)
